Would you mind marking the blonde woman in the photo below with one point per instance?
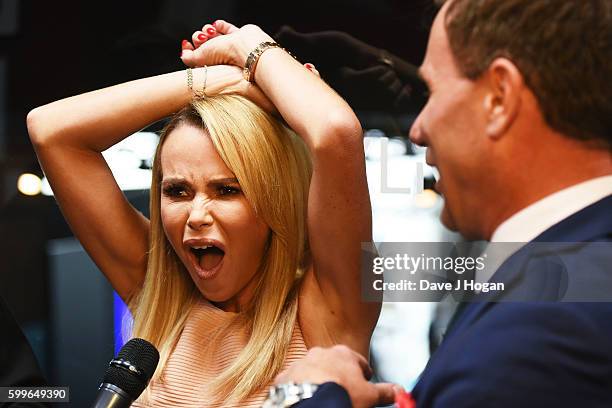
(252, 252)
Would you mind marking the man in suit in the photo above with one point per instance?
(518, 124)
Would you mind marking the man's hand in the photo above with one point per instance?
(343, 366)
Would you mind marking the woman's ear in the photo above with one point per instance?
(503, 99)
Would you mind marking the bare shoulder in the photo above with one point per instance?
(321, 324)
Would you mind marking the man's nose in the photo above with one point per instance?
(200, 214)
(416, 132)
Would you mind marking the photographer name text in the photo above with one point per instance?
(426, 285)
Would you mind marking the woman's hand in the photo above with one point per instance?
(191, 51)
(192, 55)
(225, 54)
(223, 43)
(235, 54)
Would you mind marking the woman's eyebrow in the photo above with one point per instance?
(214, 181)
(171, 180)
(226, 180)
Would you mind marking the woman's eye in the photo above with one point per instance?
(175, 191)
(228, 190)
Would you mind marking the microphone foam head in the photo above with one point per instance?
(144, 357)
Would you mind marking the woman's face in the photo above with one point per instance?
(208, 220)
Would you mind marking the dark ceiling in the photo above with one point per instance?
(67, 47)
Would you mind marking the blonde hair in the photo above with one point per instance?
(273, 167)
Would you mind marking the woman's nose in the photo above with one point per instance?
(200, 215)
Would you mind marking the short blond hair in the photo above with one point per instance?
(563, 49)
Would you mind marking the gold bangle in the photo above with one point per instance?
(249, 66)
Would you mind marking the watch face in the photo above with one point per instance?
(285, 395)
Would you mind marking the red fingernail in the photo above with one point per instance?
(184, 44)
(214, 23)
(309, 65)
(211, 31)
(201, 37)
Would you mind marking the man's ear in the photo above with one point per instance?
(503, 99)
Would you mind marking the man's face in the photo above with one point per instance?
(451, 126)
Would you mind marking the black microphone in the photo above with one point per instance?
(127, 375)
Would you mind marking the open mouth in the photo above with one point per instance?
(208, 257)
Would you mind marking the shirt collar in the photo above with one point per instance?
(531, 221)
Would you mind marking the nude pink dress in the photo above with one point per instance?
(189, 369)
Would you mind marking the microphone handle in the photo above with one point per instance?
(111, 396)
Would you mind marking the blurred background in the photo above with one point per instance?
(51, 50)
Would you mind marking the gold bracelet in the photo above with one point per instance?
(205, 79)
(190, 82)
(249, 66)
(190, 79)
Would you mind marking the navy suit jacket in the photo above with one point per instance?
(529, 353)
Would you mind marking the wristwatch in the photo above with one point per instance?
(286, 395)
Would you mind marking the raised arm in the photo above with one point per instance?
(339, 212)
(69, 136)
